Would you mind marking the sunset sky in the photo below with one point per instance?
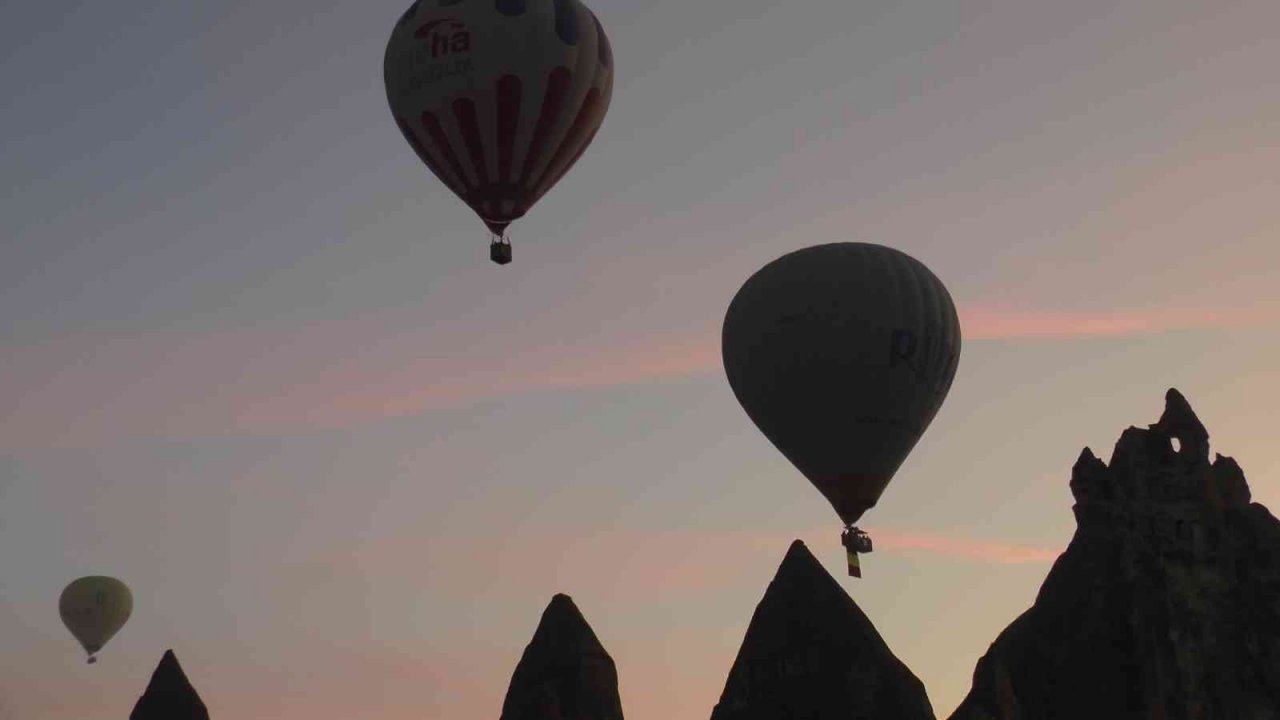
(255, 362)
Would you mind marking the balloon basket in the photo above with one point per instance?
(500, 250)
(92, 660)
(855, 542)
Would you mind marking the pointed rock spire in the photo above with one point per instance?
(1231, 483)
(565, 673)
(1179, 421)
(1089, 476)
(1148, 471)
(809, 652)
(169, 695)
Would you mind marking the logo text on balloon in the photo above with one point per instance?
(906, 349)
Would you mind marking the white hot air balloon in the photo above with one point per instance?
(94, 609)
(842, 354)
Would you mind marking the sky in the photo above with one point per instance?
(255, 362)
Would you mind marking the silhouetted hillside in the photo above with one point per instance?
(565, 673)
(169, 695)
(811, 654)
(1166, 603)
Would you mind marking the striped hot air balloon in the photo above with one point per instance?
(499, 98)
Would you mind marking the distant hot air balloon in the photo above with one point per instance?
(498, 98)
(842, 354)
(94, 609)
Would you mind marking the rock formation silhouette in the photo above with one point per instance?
(1166, 603)
(169, 695)
(564, 673)
(811, 654)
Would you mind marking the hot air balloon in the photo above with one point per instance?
(498, 98)
(94, 609)
(842, 354)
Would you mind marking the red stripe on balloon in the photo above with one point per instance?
(583, 128)
(508, 90)
(581, 149)
(557, 91)
(441, 140)
(464, 111)
(421, 152)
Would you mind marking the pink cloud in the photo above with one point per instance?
(87, 389)
(644, 566)
(699, 561)
(985, 323)
(983, 551)
(338, 373)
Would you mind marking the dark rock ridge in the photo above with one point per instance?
(811, 654)
(169, 695)
(565, 673)
(1166, 603)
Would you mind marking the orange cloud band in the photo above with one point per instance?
(983, 551)
(343, 373)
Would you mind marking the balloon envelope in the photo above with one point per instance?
(94, 609)
(498, 98)
(842, 354)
